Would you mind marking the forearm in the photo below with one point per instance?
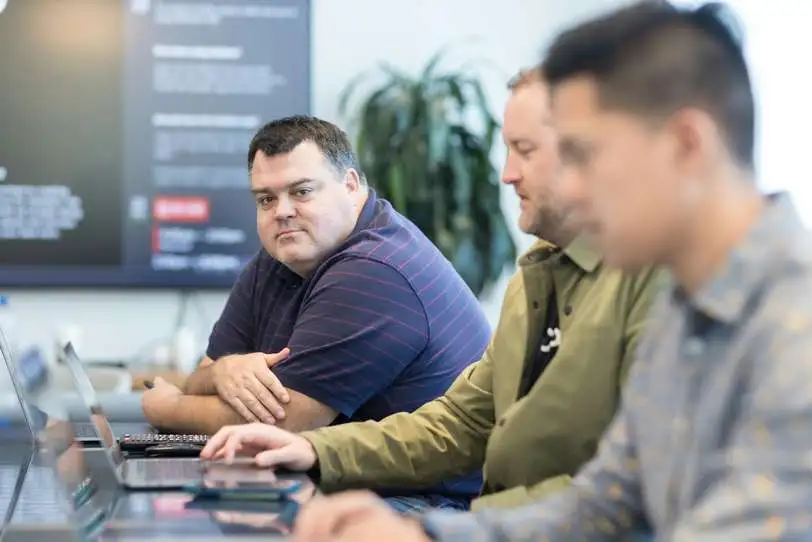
(434, 443)
(201, 381)
(194, 414)
(304, 414)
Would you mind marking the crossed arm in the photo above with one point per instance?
(206, 414)
(349, 343)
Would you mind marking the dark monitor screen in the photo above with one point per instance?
(124, 129)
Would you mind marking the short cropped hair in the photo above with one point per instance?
(652, 59)
(524, 77)
(283, 135)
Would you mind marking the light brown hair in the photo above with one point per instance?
(525, 77)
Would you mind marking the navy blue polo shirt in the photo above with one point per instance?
(384, 325)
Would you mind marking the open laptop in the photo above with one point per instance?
(34, 373)
(55, 497)
(131, 472)
(30, 373)
(60, 487)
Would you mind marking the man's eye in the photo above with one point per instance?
(265, 200)
(301, 192)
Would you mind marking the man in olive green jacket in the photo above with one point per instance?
(534, 407)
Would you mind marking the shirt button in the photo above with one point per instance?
(502, 422)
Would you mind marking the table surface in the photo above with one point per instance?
(41, 511)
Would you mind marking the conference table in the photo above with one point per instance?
(42, 512)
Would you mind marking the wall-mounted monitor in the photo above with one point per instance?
(124, 128)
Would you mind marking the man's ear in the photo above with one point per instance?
(352, 180)
(694, 138)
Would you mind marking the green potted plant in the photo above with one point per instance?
(425, 144)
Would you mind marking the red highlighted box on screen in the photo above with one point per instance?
(181, 209)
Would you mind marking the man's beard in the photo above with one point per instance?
(550, 225)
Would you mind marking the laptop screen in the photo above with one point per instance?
(84, 387)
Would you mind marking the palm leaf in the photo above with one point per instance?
(425, 144)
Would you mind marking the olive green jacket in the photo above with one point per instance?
(528, 446)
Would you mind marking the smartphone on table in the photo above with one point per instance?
(241, 479)
(250, 491)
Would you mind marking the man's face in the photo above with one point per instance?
(305, 210)
(620, 176)
(532, 161)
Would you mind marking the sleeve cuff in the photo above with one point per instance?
(327, 461)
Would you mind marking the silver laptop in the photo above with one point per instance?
(34, 373)
(62, 487)
(134, 473)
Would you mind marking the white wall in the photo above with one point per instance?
(349, 36)
(776, 53)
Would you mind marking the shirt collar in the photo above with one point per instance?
(367, 213)
(583, 254)
(580, 251)
(749, 264)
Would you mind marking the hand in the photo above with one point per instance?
(356, 516)
(247, 384)
(161, 398)
(270, 446)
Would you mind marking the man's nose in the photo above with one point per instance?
(510, 173)
(284, 208)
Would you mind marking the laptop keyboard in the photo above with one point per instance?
(159, 469)
(85, 430)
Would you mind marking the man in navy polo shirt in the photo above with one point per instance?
(348, 313)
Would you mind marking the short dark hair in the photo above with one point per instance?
(283, 135)
(652, 58)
